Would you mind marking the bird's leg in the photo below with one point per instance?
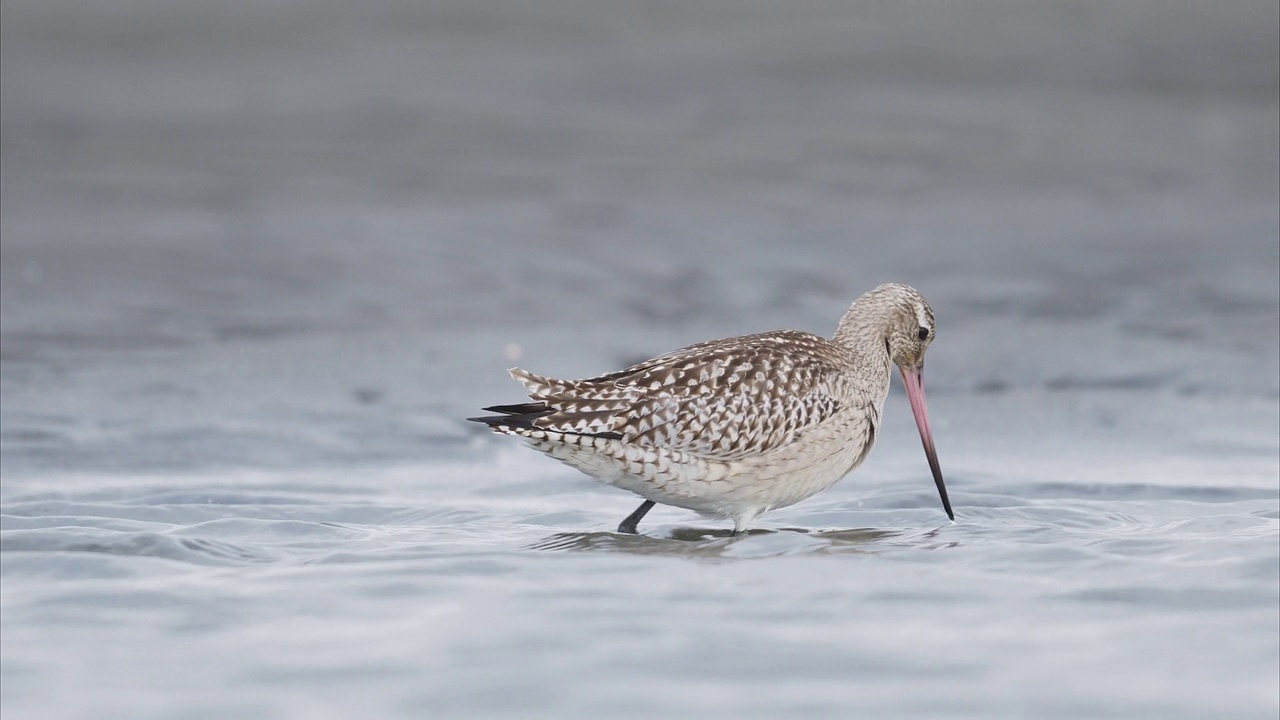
(628, 526)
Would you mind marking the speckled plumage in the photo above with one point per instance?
(734, 427)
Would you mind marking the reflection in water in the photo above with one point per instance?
(712, 543)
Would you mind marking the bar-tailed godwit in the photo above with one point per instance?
(734, 428)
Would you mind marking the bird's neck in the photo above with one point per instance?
(865, 327)
(863, 332)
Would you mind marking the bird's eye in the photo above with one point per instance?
(924, 333)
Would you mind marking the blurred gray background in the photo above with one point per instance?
(355, 192)
(258, 259)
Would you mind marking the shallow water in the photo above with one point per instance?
(259, 261)
(339, 595)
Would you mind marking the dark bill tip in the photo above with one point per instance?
(913, 379)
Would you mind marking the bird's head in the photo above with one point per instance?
(910, 325)
(899, 316)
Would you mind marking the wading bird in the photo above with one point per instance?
(736, 427)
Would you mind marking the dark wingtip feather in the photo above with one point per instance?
(504, 421)
(526, 422)
(529, 408)
(520, 415)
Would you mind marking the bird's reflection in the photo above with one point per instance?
(716, 542)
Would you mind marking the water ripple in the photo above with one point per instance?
(199, 551)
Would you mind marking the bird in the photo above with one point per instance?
(736, 427)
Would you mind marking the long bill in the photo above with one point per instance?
(913, 379)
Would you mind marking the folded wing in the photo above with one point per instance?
(722, 400)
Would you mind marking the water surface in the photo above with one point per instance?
(259, 261)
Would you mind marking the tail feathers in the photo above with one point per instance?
(536, 385)
(522, 417)
(546, 394)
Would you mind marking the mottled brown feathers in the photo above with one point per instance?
(722, 399)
